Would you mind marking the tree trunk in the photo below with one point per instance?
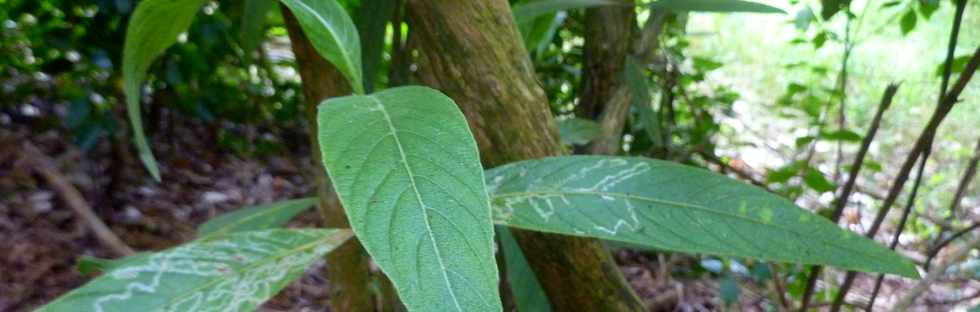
(472, 51)
(605, 94)
(347, 266)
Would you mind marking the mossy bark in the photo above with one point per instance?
(347, 266)
(472, 51)
(605, 95)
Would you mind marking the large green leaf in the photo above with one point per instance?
(407, 170)
(234, 273)
(333, 35)
(675, 207)
(253, 25)
(714, 6)
(153, 28)
(254, 218)
(528, 11)
(528, 294)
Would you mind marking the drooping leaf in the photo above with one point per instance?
(406, 169)
(577, 131)
(373, 16)
(722, 6)
(816, 180)
(528, 294)
(675, 207)
(234, 273)
(831, 7)
(255, 218)
(908, 21)
(253, 24)
(539, 32)
(528, 11)
(959, 63)
(153, 28)
(641, 100)
(333, 35)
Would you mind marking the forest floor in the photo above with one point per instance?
(42, 238)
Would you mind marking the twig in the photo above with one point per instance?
(905, 217)
(943, 242)
(971, 171)
(848, 188)
(46, 168)
(923, 285)
(924, 139)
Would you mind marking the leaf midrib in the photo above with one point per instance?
(418, 197)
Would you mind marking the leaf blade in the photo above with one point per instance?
(527, 12)
(206, 273)
(153, 28)
(720, 6)
(254, 218)
(411, 166)
(333, 35)
(670, 206)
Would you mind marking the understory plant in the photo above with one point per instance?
(407, 171)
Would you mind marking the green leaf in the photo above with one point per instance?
(333, 35)
(153, 28)
(373, 16)
(675, 207)
(959, 63)
(234, 273)
(539, 32)
(723, 6)
(641, 100)
(253, 25)
(89, 264)
(407, 170)
(254, 218)
(908, 22)
(815, 180)
(728, 289)
(528, 11)
(528, 294)
(577, 131)
(831, 7)
(842, 135)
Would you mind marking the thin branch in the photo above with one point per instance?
(906, 301)
(848, 188)
(74, 199)
(925, 138)
(905, 217)
(942, 243)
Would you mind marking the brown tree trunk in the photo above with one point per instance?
(605, 94)
(347, 266)
(472, 51)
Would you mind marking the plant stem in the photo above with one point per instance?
(848, 188)
(906, 301)
(925, 138)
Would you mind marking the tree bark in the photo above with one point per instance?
(347, 266)
(605, 94)
(472, 51)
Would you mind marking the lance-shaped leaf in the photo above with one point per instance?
(407, 170)
(675, 207)
(333, 34)
(722, 6)
(234, 273)
(528, 293)
(254, 218)
(253, 25)
(153, 28)
(528, 11)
